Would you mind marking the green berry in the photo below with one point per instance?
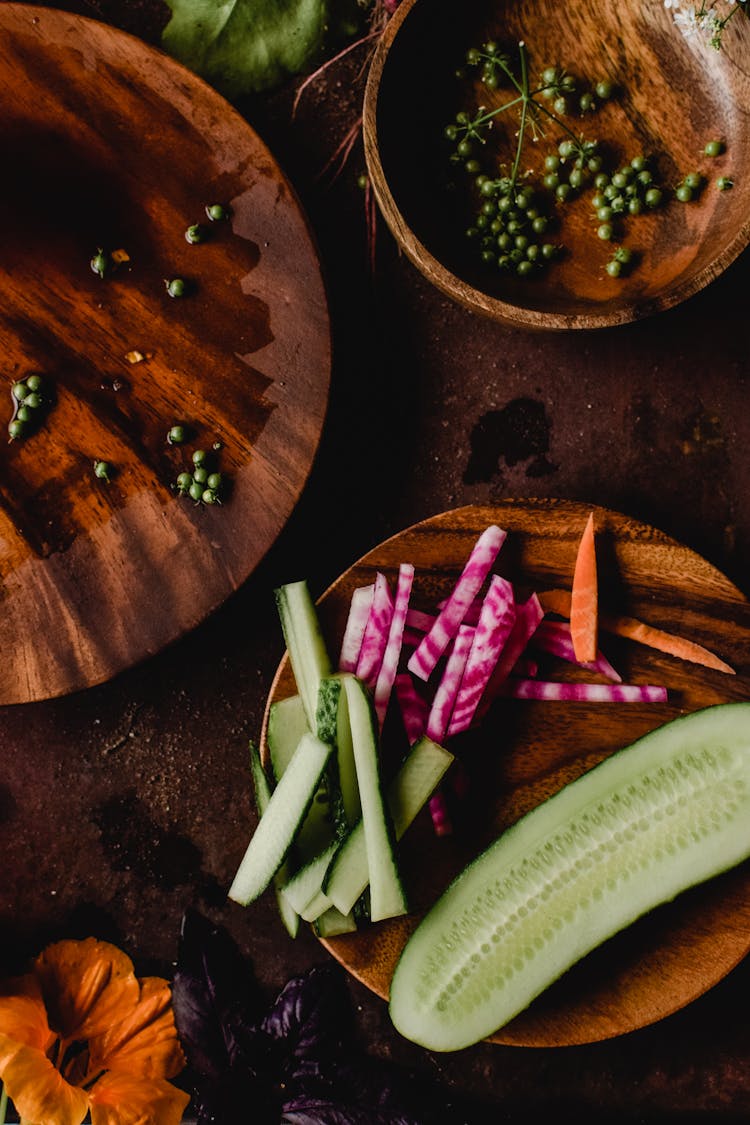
(19, 391)
(524, 267)
(103, 470)
(551, 180)
(23, 414)
(176, 287)
(560, 105)
(684, 193)
(540, 224)
(549, 76)
(34, 382)
(176, 435)
(594, 164)
(184, 480)
(653, 197)
(217, 212)
(605, 232)
(604, 214)
(33, 400)
(724, 183)
(200, 475)
(586, 103)
(566, 148)
(563, 192)
(635, 206)
(714, 148)
(551, 163)
(624, 255)
(464, 148)
(604, 89)
(693, 180)
(195, 492)
(195, 234)
(601, 181)
(16, 430)
(576, 178)
(450, 132)
(100, 263)
(214, 481)
(613, 267)
(208, 496)
(549, 251)
(199, 457)
(473, 56)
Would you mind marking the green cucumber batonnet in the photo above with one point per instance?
(667, 812)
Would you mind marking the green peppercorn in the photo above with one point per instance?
(34, 382)
(176, 435)
(684, 193)
(200, 475)
(23, 414)
(217, 212)
(19, 391)
(714, 148)
(724, 183)
(33, 400)
(613, 267)
(604, 89)
(16, 430)
(214, 481)
(199, 457)
(208, 496)
(103, 470)
(100, 263)
(195, 233)
(176, 287)
(184, 480)
(195, 492)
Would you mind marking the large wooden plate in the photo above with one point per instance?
(527, 751)
(108, 143)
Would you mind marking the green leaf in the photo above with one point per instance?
(246, 46)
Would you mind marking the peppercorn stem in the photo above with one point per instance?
(524, 113)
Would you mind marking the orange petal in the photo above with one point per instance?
(87, 985)
(119, 1099)
(144, 1042)
(23, 1016)
(38, 1091)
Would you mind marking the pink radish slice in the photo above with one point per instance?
(471, 617)
(496, 619)
(441, 820)
(419, 621)
(450, 682)
(424, 658)
(584, 693)
(376, 633)
(389, 665)
(356, 623)
(554, 637)
(528, 616)
(414, 709)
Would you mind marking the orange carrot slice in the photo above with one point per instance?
(559, 601)
(584, 597)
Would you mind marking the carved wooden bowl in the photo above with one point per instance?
(673, 95)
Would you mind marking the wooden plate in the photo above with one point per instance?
(110, 144)
(675, 94)
(527, 751)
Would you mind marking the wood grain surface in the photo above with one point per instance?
(524, 752)
(674, 94)
(109, 144)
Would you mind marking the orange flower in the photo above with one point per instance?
(81, 1032)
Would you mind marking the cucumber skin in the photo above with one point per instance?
(423, 968)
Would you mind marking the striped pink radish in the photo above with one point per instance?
(426, 656)
(389, 665)
(376, 633)
(584, 693)
(356, 623)
(529, 614)
(414, 709)
(496, 620)
(450, 682)
(554, 637)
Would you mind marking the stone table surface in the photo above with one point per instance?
(124, 804)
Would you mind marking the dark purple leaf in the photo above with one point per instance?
(312, 1019)
(320, 1111)
(216, 1001)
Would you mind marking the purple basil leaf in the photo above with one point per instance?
(311, 1022)
(216, 1002)
(320, 1111)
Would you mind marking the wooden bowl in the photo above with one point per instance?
(674, 94)
(524, 752)
(121, 148)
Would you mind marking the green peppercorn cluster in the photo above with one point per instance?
(510, 227)
(32, 402)
(203, 483)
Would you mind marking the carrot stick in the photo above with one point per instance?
(559, 601)
(584, 597)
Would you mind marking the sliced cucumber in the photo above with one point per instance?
(667, 812)
(262, 788)
(387, 898)
(333, 923)
(287, 723)
(419, 775)
(306, 883)
(304, 641)
(280, 823)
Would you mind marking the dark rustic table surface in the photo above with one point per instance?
(124, 804)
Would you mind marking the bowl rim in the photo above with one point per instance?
(462, 291)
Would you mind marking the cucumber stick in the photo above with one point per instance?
(287, 723)
(411, 788)
(387, 898)
(308, 655)
(279, 824)
(670, 811)
(263, 791)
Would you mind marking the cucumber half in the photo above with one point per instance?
(670, 811)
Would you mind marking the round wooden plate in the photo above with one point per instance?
(109, 144)
(524, 752)
(674, 95)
